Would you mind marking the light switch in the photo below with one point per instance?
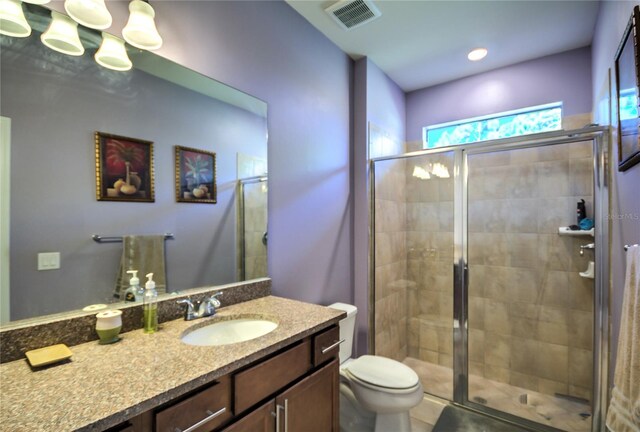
(48, 260)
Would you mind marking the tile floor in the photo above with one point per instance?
(425, 415)
(545, 409)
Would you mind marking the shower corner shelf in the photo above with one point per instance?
(565, 231)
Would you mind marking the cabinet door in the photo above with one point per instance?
(259, 420)
(311, 405)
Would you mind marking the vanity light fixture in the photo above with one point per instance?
(477, 54)
(141, 31)
(89, 13)
(62, 35)
(112, 53)
(12, 20)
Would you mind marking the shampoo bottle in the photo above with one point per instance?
(134, 293)
(581, 211)
(150, 306)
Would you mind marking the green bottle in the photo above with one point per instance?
(150, 306)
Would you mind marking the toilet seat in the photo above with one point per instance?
(383, 374)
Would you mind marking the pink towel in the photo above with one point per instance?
(624, 409)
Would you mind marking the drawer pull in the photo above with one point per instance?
(278, 408)
(204, 420)
(286, 415)
(329, 348)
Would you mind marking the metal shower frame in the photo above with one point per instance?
(600, 138)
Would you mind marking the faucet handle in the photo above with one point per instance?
(214, 300)
(189, 312)
(208, 306)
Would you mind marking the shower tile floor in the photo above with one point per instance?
(545, 409)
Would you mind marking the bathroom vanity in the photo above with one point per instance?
(158, 383)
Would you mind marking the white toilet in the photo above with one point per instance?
(376, 393)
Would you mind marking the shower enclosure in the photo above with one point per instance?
(480, 287)
(252, 227)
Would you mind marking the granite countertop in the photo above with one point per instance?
(103, 385)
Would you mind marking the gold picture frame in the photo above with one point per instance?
(195, 176)
(627, 94)
(124, 168)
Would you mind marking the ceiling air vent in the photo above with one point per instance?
(350, 14)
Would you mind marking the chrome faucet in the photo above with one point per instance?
(205, 308)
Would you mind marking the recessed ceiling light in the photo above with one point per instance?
(477, 54)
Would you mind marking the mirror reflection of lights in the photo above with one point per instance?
(429, 171)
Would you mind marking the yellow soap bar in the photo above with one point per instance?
(48, 355)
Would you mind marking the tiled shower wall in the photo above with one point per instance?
(429, 228)
(530, 313)
(390, 309)
(255, 226)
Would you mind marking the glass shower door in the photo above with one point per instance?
(413, 262)
(252, 228)
(530, 309)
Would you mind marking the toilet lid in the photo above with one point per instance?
(383, 372)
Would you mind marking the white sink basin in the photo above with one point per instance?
(229, 332)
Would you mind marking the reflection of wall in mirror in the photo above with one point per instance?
(5, 194)
(54, 208)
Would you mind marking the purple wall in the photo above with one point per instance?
(562, 77)
(267, 49)
(379, 100)
(625, 205)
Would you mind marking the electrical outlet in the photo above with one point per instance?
(49, 261)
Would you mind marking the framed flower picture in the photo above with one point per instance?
(124, 168)
(195, 175)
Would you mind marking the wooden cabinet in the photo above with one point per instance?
(262, 419)
(311, 405)
(293, 390)
(326, 345)
(201, 412)
(267, 377)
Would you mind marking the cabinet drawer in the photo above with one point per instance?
(259, 420)
(210, 407)
(260, 381)
(326, 345)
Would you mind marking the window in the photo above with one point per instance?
(531, 120)
(628, 104)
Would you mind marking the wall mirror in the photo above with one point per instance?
(52, 105)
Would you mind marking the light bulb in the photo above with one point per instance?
(112, 53)
(89, 13)
(140, 30)
(38, 2)
(62, 35)
(12, 20)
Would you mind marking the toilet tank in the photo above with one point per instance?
(347, 329)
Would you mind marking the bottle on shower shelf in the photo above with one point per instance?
(581, 211)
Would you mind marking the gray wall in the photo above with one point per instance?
(53, 208)
(625, 202)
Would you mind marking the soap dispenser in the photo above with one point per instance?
(150, 306)
(135, 292)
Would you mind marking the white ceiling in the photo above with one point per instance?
(421, 43)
